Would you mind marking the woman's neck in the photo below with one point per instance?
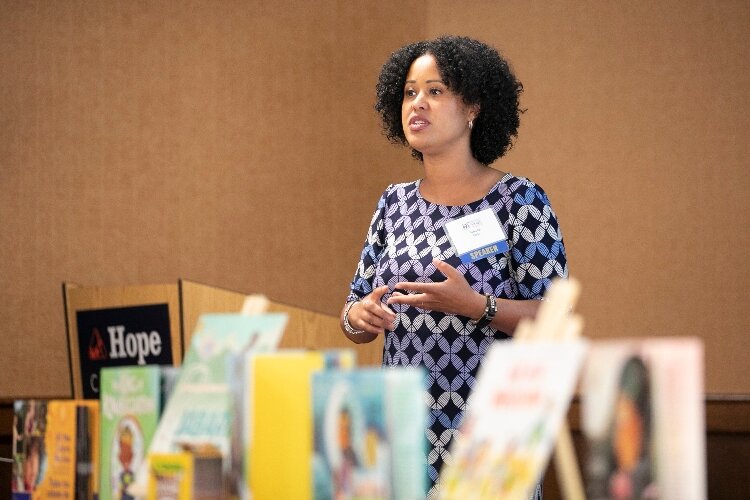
(456, 181)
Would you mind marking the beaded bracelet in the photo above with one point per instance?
(347, 326)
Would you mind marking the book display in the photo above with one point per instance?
(243, 417)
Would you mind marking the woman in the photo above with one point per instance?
(454, 102)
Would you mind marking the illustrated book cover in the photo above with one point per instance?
(513, 417)
(642, 416)
(131, 401)
(55, 449)
(369, 434)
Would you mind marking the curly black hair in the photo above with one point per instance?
(471, 69)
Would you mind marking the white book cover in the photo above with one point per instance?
(643, 419)
(512, 420)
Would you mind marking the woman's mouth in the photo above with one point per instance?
(417, 123)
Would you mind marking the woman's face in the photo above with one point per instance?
(435, 119)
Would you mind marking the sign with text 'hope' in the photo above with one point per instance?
(135, 335)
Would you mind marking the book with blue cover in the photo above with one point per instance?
(369, 433)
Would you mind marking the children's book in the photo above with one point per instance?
(643, 419)
(171, 476)
(369, 434)
(55, 449)
(279, 444)
(131, 399)
(242, 411)
(198, 414)
(512, 420)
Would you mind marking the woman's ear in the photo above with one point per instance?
(473, 112)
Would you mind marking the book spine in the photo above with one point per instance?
(83, 455)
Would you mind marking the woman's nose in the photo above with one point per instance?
(419, 102)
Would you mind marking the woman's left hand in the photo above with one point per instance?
(452, 296)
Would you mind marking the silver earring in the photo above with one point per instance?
(471, 124)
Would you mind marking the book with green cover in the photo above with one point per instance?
(131, 403)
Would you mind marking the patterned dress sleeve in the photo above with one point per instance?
(362, 284)
(537, 253)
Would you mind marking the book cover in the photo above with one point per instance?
(512, 420)
(369, 434)
(242, 415)
(643, 419)
(55, 449)
(198, 414)
(280, 438)
(131, 399)
(171, 476)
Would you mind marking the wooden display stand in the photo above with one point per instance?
(557, 321)
(165, 315)
(183, 302)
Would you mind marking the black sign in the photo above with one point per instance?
(137, 335)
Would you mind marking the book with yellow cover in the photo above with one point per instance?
(56, 446)
(341, 359)
(170, 476)
(280, 443)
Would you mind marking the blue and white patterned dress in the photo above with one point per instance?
(405, 235)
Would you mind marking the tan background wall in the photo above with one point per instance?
(234, 143)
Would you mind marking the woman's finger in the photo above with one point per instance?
(448, 271)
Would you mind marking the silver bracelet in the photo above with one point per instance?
(347, 326)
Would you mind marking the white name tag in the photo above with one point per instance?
(477, 236)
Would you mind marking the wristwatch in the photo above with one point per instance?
(490, 309)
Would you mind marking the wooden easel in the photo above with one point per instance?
(557, 321)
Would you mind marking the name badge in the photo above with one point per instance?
(477, 236)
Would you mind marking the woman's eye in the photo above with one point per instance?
(410, 92)
(436, 91)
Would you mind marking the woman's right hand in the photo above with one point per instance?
(371, 314)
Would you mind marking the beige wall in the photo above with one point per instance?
(234, 143)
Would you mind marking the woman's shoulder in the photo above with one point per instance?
(400, 190)
(522, 189)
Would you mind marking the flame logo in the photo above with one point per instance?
(97, 350)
